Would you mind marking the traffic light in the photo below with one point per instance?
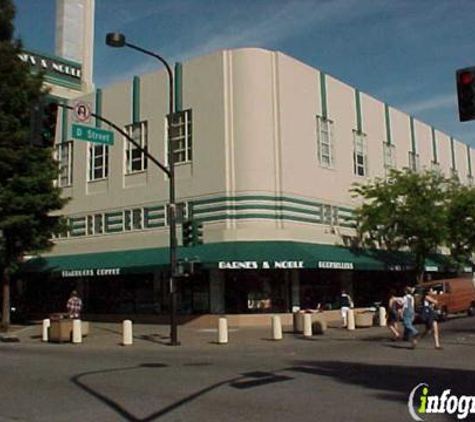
(192, 233)
(197, 233)
(187, 233)
(466, 93)
(43, 117)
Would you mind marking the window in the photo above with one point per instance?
(325, 142)
(65, 161)
(389, 152)
(181, 136)
(135, 160)
(414, 163)
(360, 159)
(134, 219)
(98, 161)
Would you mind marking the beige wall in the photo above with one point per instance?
(254, 133)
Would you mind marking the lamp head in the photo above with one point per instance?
(115, 39)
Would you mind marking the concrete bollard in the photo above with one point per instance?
(223, 331)
(46, 325)
(127, 337)
(77, 334)
(350, 320)
(382, 316)
(276, 328)
(307, 325)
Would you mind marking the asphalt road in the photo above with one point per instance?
(340, 376)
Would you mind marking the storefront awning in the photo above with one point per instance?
(227, 255)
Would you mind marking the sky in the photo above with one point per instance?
(402, 52)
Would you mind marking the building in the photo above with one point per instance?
(267, 150)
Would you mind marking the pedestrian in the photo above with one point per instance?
(346, 303)
(410, 332)
(429, 316)
(74, 305)
(394, 308)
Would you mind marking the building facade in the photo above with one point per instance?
(267, 149)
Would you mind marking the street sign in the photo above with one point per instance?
(82, 111)
(92, 134)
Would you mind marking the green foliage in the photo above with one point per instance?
(27, 193)
(405, 210)
(461, 222)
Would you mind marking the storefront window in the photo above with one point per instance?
(257, 291)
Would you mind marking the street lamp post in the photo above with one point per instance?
(118, 40)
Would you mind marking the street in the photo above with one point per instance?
(340, 376)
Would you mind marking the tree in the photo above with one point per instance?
(405, 210)
(27, 194)
(461, 222)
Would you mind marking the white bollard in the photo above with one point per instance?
(77, 334)
(307, 325)
(223, 331)
(46, 325)
(382, 316)
(350, 320)
(276, 328)
(127, 337)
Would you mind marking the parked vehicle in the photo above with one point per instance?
(454, 295)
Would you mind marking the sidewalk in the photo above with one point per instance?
(106, 335)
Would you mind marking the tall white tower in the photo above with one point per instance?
(75, 36)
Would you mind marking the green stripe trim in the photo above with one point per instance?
(359, 122)
(413, 135)
(323, 94)
(434, 147)
(178, 87)
(387, 121)
(452, 151)
(64, 122)
(277, 208)
(136, 100)
(254, 198)
(469, 161)
(98, 106)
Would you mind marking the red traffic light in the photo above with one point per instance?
(466, 78)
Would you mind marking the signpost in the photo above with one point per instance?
(92, 134)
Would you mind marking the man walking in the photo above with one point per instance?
(408, 313)
(74, 305)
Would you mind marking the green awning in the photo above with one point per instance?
(226, 255)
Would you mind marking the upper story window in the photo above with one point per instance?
(325, 142)
(414, 163)
(389, 152)
(360, 157)
(98, 161)
(181, 136)
(64, 154)
(136, 160)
